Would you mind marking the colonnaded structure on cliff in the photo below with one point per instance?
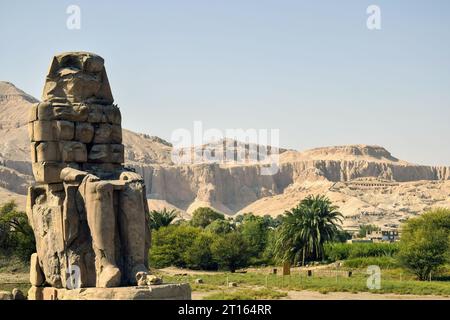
(88, 212)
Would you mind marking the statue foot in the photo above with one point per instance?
(144, 279)
(109, 277)
(138, 272)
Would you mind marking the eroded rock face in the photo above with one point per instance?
(88, 213)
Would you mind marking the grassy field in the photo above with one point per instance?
(257, 283)
(323, 280)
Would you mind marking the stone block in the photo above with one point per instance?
(53, 130)
(29, 205)
(65, 130)
(99, 153)
(48, 112)
(33, 152)
(35, 293)
(33, 113)
(73, 151)
(171, 291)
(103, 133)
(45, 111)
(96, 114)
(104, 153)
(117, 153)
(43, 131)
(48, 151)
(50, 293)
(84, 132)
(54, 187)
(47, 172)
(112, 114)
(71, 113)
(102, 169)
(30, 131)
(36, 276)
(116, 134)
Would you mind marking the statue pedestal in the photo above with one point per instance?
(169, 291)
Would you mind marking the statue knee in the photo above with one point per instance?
(103, 187)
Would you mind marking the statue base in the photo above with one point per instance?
(169, 291)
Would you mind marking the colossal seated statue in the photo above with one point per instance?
(88, 212)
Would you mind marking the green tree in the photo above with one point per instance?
(204, 216)
(271, 222)
(16, 235)
(306, 228)
(199, 255)
(230, 251)
(220, 227)
(170, 243)
(425, 242)
(161, 218)
(254, 231)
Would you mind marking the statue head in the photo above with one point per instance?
(77, 77)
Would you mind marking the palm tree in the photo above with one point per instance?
(162, 218)
(306, 228)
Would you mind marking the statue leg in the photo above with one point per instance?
(132, 217)
(102, 223)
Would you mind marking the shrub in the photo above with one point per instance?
(362, 262)
(342, 251)
(199, 255)
(204, 216)
(425, 243)
(220, 227)
(230, 251)
(170, 243)
(254, 231)
(16, 235)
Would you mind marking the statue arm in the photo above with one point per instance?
(73, 175)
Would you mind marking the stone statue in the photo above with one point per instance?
(88, 212)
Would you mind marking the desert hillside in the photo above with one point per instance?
(368, 183)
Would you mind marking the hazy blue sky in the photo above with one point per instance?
(310, 68)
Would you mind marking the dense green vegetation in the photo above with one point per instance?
(306, 233)
(16, 235)
(211, 242)
(425, 243)
(343, 251)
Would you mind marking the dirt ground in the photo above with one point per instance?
(292, 295)
(312, 295)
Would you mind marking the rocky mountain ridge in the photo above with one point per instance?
(234, 188)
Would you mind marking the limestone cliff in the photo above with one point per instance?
(228, 188)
